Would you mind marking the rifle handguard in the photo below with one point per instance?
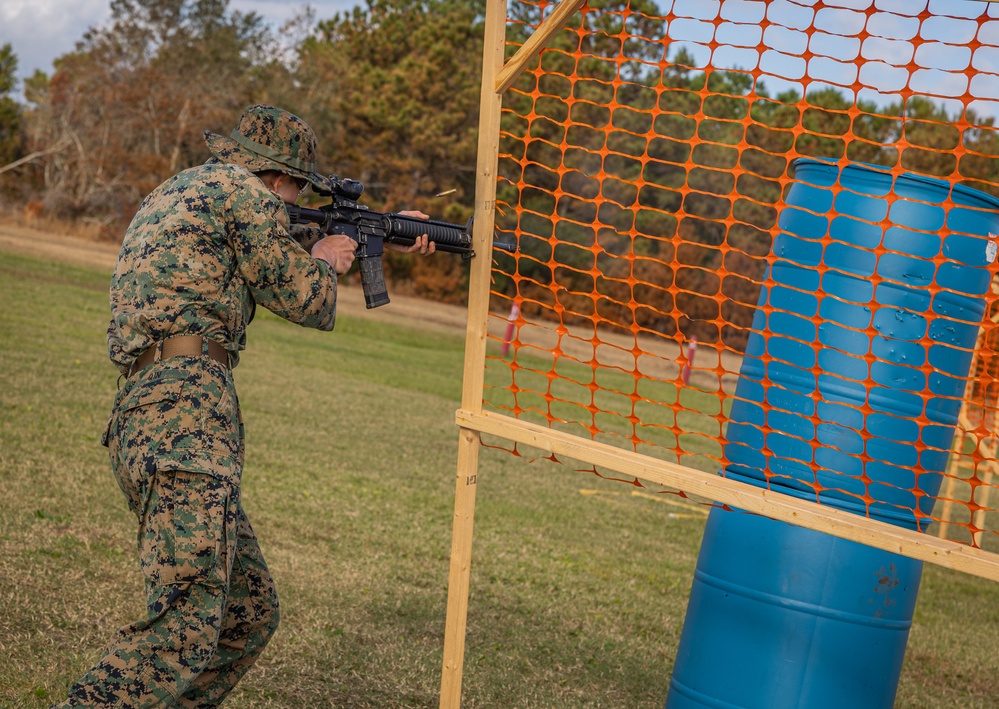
(448, 237)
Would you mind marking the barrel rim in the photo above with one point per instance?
(870, 169)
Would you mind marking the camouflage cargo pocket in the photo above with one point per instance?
(180, 416)
(157, 410)
(203, 433)
(221, 425)
(184, 529)
(144, 415)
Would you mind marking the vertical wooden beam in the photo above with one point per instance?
(979, 517)
(490, 107)
(461, 564)
(953, 471)
(490, 110)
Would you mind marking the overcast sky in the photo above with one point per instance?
(41, 30)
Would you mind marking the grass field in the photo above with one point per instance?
(578, 586)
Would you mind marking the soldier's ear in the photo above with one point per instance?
(281, 180)
(269, 178)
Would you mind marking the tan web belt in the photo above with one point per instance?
(179, 346)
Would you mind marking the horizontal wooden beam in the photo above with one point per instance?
(821, 518)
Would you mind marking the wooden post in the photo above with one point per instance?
(953, 471)
(490, 102)
(979, 517)
(461, 564)
(988, 447)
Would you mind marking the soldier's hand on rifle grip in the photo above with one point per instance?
(422, 244)
(337, 250)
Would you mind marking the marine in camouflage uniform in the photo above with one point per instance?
(204, 248)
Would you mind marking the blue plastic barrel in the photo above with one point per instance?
(837, 366)
(798, 417)
(782, 617)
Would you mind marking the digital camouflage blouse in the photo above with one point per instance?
(204, 248)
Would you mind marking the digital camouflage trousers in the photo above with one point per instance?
(176, 450)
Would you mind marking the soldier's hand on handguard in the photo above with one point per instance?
(423, 244)
(337, 250)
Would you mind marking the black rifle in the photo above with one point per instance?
(371, 230)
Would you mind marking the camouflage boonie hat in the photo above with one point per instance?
(269, 138)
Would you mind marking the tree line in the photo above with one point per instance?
(392, 90)
(390, 87)
(710, 145)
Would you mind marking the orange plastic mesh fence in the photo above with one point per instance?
(645, 160)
